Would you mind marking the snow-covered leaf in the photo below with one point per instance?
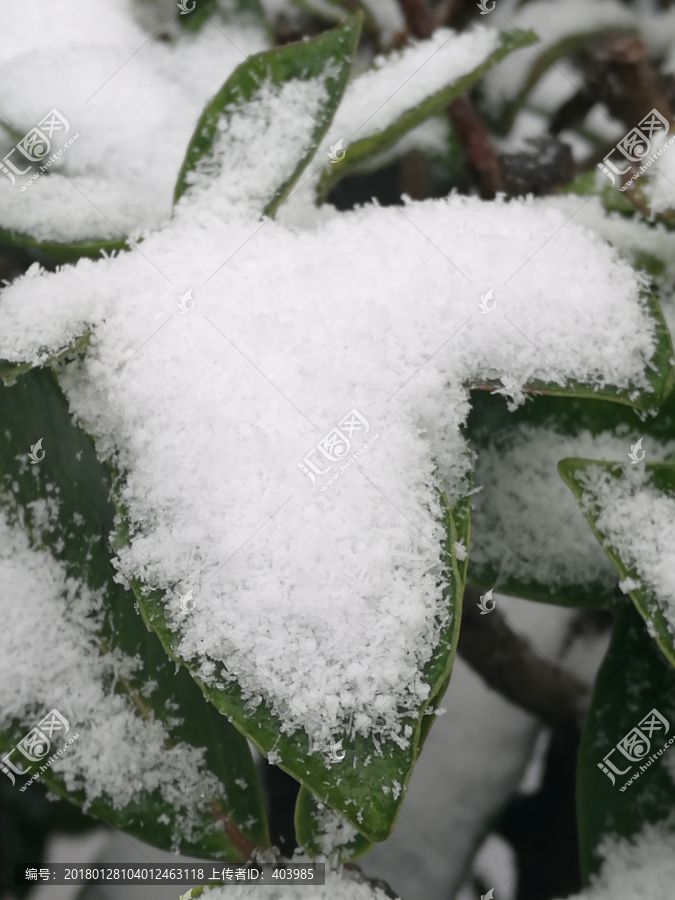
(321, 831)
(631, 508)
(406, 88)
(321, 614)
(9, 372)
(152, 757)
(634, 681)
(660, 373)
(529, 538)
(264, 125)
(368, 783)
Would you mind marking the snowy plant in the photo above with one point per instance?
(258, 452)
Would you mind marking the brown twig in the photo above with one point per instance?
(474, 138)
(443, 14)
(418, 18)
(509, 665)
(621, 75)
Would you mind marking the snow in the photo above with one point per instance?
(403, 79)
(557, 85)
(496, 864)
(332, 830)
(50, 657)
(134, 101)
(642, 867)
(325, 603)
(633, 237)
(524, 501)
(659, 183)
(638, 521)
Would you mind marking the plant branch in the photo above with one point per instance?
(509, 665)
(418, 18)
(474, 138)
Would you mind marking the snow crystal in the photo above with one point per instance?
(460, 550)
(638, 521)
(118, 754)
(524, 501)
(327, 604)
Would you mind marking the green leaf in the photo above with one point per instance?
(375, 144)
(353, 787)
(9, 372)
(314, 822)
(328, 10)
(232, 824)
(660, 476)
(633, 680)
(50, 252)
(503, 517)
(328, 57)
